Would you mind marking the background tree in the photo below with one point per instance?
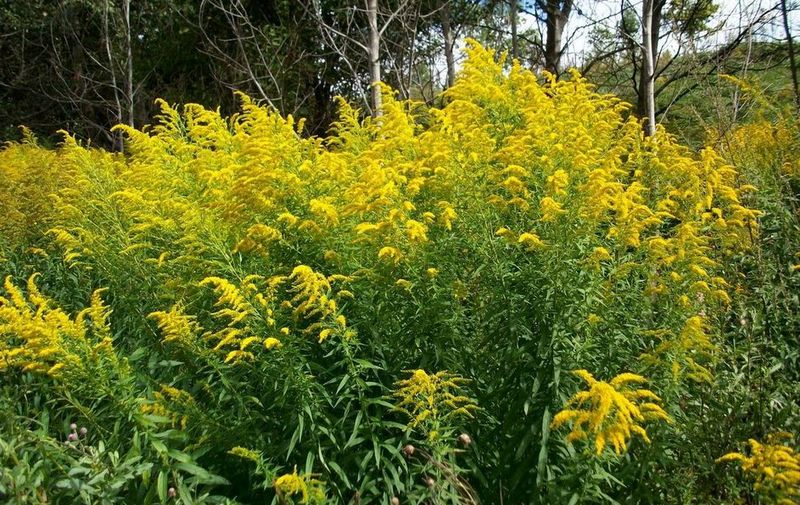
(85, 65)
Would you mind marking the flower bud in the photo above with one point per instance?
(171, 492)
(72, 437)
(408, 450)
(83, 431)
(73, 426)
(464, 439)
(395, 500)
(430, 481)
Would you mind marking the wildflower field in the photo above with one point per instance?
(515, 297)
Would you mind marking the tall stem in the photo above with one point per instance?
(792, 62)
(374, 57)
(449, 42)
(648, 88)
(129, 83)
(514, 7)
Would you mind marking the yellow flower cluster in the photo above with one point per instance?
(432, 399)
(244, 310)
(775, 467)
(248, 313)
(686, 352)
(610, 412)
(310, 490)
(531, 171)
(37, 336)
(314, 298)
(176, 326)
(172, 404)
(246, 453)
(26, 181)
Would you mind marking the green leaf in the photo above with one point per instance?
(162, 485)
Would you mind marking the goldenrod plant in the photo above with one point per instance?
(610, 413)
(242, 312)
(774, 465)
(301, 489)
(434, 404)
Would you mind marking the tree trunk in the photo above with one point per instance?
(792, 62)
(129, 49)
(556, 16)
(118, 137)
(514, 7)
(449, 41)
(651, 18)
(374, 57)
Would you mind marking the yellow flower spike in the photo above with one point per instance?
(429, 399)
(531, 241)
(162, 258)
(390, 254)
(49, 341)
(234, 305)
(310, 490)
(17, 299)
(272, 343)
(245, 453)
(288, 219)
(610, 412)
(324, 210)
(176, 326)
(515, 186)
(447, 215)
(36, 298)
(506, 234)
(557, 182)
(416, 231)
(627, 378)
(600, 254)
(324, 334)
(550, 209)
(244, 344)
(236, 356)
(775, 467)
(404, 284)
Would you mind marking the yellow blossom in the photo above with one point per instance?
(272, 343)
(430, 399)
(416, 231)
(310, 490)
(550, 209)
(610, 412)
(557, 182)
(530, 241)
(775, 467)
(390, 254)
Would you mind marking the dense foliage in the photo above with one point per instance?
(516, 297)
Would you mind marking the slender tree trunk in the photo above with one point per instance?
(374, 56)
(556, 16)
(792, 62)
(117, 140)
(745, 68)
(514, 8)
(646, 84)
(449, 41)
(129, 49)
